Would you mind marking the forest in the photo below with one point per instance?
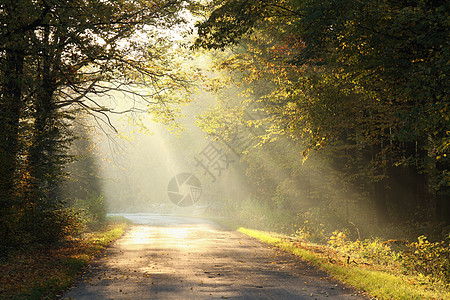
(361, 85)
(338, 112)
(60, 62)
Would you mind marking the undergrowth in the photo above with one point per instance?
(419, 255)
(428, 262)
(377, 280)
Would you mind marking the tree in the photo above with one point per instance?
(365, 76)
(57, 56)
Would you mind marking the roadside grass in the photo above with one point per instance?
(377, 282)
(43, 272)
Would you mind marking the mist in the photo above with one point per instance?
(137, 162)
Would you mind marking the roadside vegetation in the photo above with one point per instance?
(375, 268)
(45, 271)
(64, 68)
(385, 269)
(338, 114)
(52, 246)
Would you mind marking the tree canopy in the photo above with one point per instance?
(62, 58)
(365, 82)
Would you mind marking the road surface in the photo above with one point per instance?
(167, 257)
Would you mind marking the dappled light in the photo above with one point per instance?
(320, 128)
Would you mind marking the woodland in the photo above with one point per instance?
(58, 59)
(343, 107)
(362, 85)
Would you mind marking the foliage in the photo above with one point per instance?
(360, 86)
(82, 176)
(54, 225)
(92, 210)
(425, 262)
(377, 281)
(60, 58)
(312, 228)
(259, 215)
(372, 251)
(428, 259)
(423, 259)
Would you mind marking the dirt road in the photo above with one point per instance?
(166, 257)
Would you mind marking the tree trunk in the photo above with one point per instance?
(379, 188)
(443, 197)
(45, 132)
(11, 104)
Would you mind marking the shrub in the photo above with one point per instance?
(92, 210)
(317, 225)
(309, 231)
(423, 258)
(428, 259)
(258, 214)
(52, 225)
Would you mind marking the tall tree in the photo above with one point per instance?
(370, 76)
(57, 56)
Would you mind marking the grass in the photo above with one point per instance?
(43, 272)
(379, 284)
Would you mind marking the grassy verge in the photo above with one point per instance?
(378, 283)
(44, 272)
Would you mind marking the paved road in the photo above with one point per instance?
(166, 257)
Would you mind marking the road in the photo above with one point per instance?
(167, 257)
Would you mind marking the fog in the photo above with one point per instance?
(170, 165)
(138, 161)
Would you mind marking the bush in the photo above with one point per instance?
(428, 259)
(317, 224)
(92, 210)
(51, 225)
(260, 215)
(311, 228)
(423, 258)
(372, 250)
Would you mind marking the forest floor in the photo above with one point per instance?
(43, 272)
